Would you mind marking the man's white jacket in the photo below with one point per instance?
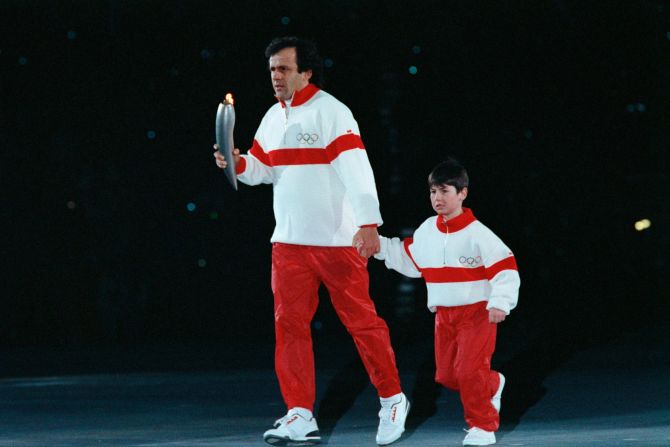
(311, 152)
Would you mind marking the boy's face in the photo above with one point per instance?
(447, 201)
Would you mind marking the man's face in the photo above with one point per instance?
(284, 74)
(446, 200)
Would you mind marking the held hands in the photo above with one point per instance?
(221, 160)
(366, 241)
(496, 315)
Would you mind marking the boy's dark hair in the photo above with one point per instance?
(449, 172)
(307, 56)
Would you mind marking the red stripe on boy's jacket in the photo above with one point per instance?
(453, 274)
(406, 243)
(506, 264)
(465, 274)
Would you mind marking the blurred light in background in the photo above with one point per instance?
(642, 224)
(190, 206)
(285, 20)
(202, 263)
(71, 205)
(413, 70)
(213, 215)
(205, 53)
(636, 107)
(328, 62)
(23, 60)
(416, 49)
(71, 35)
(151, 135)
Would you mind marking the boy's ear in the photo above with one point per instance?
(464, 192)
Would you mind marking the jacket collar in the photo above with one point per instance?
(302, 96)
(456, 223)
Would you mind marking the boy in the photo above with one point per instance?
(473, 284)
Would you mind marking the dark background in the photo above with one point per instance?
(559, 109)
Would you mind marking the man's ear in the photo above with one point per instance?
(308, 74)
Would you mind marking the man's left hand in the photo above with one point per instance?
(496, 315)
(366, 241)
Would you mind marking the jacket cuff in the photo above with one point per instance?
(381, 254)
(241, 166)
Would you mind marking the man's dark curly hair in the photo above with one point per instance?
(307, 56)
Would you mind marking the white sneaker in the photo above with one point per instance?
(495, 400)
(298, 427)
(392, 418)
(477, 436)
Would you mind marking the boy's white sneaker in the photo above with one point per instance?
(392, 418)
(477, 436)
(298, 427)
(495, 400)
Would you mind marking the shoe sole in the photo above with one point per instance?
(409, 406)
(278, 440)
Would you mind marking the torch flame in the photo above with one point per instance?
(229, 98)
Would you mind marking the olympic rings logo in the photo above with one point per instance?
(470, 260)
(307, 138)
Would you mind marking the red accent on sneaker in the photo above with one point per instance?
(295, 416)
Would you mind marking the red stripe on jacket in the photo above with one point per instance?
(343, 143)
(465, 274)
(506, 264)
(283, 157)
(307, 156)
(258, 152)
(453, 274)
(406, 243)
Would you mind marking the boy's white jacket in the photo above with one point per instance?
(462, 262)
(312, 154)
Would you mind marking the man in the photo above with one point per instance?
(309, 148)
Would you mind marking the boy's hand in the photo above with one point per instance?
(496, 315)
(366, 241)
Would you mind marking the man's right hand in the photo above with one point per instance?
(221, 160)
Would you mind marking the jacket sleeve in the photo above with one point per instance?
(348, 157)
(255, 167)
(396, 256)
(502, 273)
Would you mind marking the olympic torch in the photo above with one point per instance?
(225, 123)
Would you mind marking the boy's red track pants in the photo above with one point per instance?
(464, 344)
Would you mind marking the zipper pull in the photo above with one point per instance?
(286, 122)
